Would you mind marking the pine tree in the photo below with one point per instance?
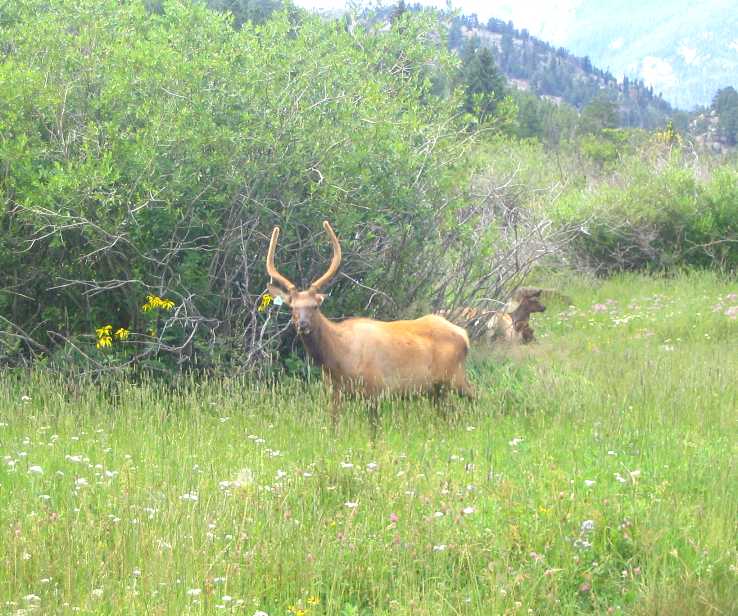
(484, 85)
(725, 104)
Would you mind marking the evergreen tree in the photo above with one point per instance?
(455, 37)
(725, 104)
(256, 11)
(398, 11)
(484, 85)
(598, 114)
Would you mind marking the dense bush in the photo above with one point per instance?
(652, 204)
(151, 152)
(655, 216)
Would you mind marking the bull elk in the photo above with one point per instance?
(368, 357)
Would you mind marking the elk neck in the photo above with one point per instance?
(322, 341)
(521, 313)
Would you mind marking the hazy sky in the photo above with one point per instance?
(546, 19)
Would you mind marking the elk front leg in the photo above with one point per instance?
(336, 403)
(372, 404)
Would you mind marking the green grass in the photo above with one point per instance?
(597, 473)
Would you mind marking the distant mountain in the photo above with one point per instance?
(555, 74)
(686, 50)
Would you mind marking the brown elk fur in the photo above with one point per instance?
(370, 357)
(513, 327)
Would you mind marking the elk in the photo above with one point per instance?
(368, 357)
(515, 326)
(511, 326)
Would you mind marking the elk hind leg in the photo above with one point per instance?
(460, 384)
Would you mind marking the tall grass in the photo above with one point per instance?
(597, 473)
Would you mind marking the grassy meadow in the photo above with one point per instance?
(597, 473)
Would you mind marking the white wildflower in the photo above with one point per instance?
(244, 478)
(351, 504)
(36, 470)
(582, 544)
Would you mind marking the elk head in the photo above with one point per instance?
(304, 304)
(530, 302)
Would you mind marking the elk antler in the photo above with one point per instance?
(335, 262)
(271, 270)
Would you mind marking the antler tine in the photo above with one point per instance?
(335, 262)
(271, 270)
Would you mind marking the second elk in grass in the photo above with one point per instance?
(368, 357)
(512, 326)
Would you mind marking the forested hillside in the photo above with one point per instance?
(554, 73)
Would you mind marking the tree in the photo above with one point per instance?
(484, 86)
(398, 11)
(600, 113)
(529, 116)
(455, 37)
(725, 104)
(255, 11)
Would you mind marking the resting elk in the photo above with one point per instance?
(513, 326)
(368, 357)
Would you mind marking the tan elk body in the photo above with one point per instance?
(513, 327)
(369, 357)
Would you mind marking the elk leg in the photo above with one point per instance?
(336, 403)
(462, 386)
(372, 404)
(438, 398)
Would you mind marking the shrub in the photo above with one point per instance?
(150, 153)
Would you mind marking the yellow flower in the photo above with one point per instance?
(266, 299)
(104, 341)
(102, 332)
(314, 600)
(154, 301)
(122, 333)
(297, 611)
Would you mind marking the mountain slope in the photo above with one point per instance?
(554, 73)
(685, 50)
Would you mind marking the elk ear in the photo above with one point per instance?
(319, 297)
(275, 292)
